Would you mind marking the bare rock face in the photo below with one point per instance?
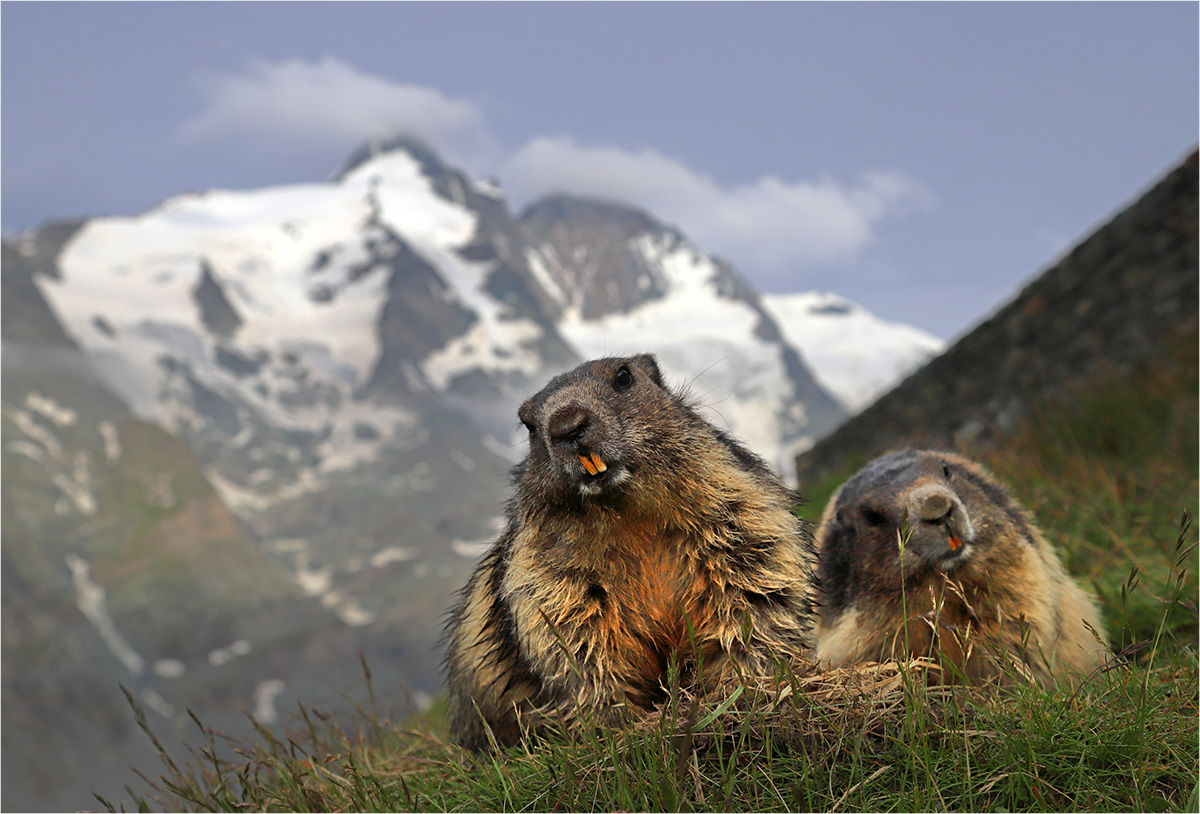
(587, 246)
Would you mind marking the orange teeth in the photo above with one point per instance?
(594, 464)
(955, 543)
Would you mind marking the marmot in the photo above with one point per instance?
(975, 583)
(640, 536)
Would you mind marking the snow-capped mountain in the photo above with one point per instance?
(292, 306)
(855, 355)
(313, 324)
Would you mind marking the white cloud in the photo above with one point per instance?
(328, 103)
(770, 224)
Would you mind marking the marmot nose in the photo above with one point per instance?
(933, 504)
(568, 424)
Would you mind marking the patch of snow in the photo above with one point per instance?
(464, 461)
(345, 449)
(169, 668)
(76, 484)
(471, 550)
(36, 432)
(489, 189)
(854, 354)
(112, 441)
(90, 599)
(287, 545)
(407, 202)
(156, 702)
(223, 655)
(264, 700)
(48, 407)
(26, 448)
(387, 556)
(549, 283)
(313, 581)
(353, 614)
(246, 503)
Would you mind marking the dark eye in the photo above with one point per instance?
(946, 470)
(872, 517)
(623, 379)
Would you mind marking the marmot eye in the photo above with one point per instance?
(946, 470)
(872, 517)
(623, 380)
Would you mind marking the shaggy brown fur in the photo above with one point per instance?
(926, 553)
(640, 536)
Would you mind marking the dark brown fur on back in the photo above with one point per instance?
(926, 553)
(639, 536)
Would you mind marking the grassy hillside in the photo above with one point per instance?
(1112, 476)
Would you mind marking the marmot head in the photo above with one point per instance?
(595, 431)
(905, 517)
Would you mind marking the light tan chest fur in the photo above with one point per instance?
(616, 622)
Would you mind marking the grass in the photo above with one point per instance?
(1112, 478)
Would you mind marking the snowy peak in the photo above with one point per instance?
(856, 355)
(230, 316)
(430, 163)
(216, 313)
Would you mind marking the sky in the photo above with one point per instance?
(925, 160)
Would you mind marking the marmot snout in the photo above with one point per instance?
(927, 553)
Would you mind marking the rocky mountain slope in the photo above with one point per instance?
(248, 435)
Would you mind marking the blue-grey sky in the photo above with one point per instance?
(922, 159)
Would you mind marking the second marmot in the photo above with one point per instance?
(640, 536)
(926, 554)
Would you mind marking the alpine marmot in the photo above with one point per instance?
(639, 537)
(925, 553)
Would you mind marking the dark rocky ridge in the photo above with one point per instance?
(215, 309)
(26, 316)
(586, 241)
(1113, 304)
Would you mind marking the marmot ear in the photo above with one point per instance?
(649, 365)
